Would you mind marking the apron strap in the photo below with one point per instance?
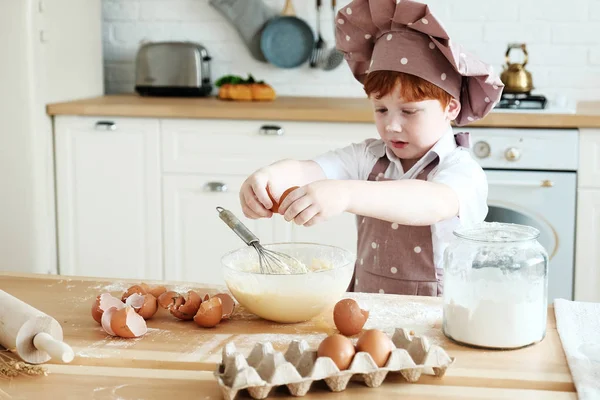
(379, 169)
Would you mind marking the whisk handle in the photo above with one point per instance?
(236, 225)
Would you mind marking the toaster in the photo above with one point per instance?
(172, 69)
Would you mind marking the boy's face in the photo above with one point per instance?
(410, 129)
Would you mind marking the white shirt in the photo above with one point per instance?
(456, 168)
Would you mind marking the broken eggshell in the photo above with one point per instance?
(145, 305)
(210, 313)
(102, 303)
(348, 317)
(168, 299)
(227, 303)
(139, 289)
(127, 323)
(188, 307)
(107, 318)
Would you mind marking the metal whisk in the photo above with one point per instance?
(271, 262)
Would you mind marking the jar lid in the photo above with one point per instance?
(497, 232)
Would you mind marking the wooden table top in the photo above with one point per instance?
(176, 359)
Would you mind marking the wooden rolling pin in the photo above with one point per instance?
(37, 337)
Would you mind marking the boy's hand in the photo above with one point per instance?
(315, 202)
(254, 198)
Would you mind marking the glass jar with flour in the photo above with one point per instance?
(495, 286)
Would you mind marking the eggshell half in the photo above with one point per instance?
(134, 289)
(210, 313)
(168, 299)
(189, 307)
(126, 323)
(145, 305)
(106, 318)
(227, 303)
(348, 317)
(102, 303)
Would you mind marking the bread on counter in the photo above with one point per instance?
(235, 88)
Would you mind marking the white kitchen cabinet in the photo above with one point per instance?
(589, 158)
(587, 273)
(241, 147)
(587, 259)
(195, 238)
(108, 197)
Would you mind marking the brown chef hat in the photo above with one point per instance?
(403, 36)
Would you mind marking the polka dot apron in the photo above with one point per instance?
(393, 258)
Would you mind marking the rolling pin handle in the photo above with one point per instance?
(56, 349)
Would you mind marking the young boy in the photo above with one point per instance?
(412, 187)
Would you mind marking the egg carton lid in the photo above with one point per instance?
(265, 369)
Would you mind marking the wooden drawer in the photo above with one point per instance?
(240, 147)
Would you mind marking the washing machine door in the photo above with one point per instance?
(546, 201)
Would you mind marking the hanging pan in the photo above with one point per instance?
(287, 40)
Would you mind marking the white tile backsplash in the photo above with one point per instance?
(563, 42)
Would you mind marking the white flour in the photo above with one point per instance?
(492, 311)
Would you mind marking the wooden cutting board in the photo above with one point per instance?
(180, 355)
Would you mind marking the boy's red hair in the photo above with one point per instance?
(412, 88)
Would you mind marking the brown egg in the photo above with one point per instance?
(127, 323)
(206, 297)
(133, 289)
(227, 303)
(377, 344)
(348, 317)
(339, 348)
(157, 291)
(285, 194)
(275, 207)
(102, 303)
(167, 299)
(188, 307)
(210, 313)
(145, 305)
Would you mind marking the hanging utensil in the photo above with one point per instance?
(317, 53)
(333, 58)
(287, 41)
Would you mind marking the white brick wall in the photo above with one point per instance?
(563, 39)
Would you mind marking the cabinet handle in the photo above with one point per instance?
(215, 187)
(271, 130)
(546, 183)
(106, 126)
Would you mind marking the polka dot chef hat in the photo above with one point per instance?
(403, 36)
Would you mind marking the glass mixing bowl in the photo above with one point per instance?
(289, 298)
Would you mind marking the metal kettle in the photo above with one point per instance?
(515, 77)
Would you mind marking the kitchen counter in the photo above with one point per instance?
(297, 109)
(175, 359)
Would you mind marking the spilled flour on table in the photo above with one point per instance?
(422, 319)
(97, 349)
(113, 287)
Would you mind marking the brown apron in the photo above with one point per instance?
(393, 258)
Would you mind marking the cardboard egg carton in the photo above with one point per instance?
(265, 369)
